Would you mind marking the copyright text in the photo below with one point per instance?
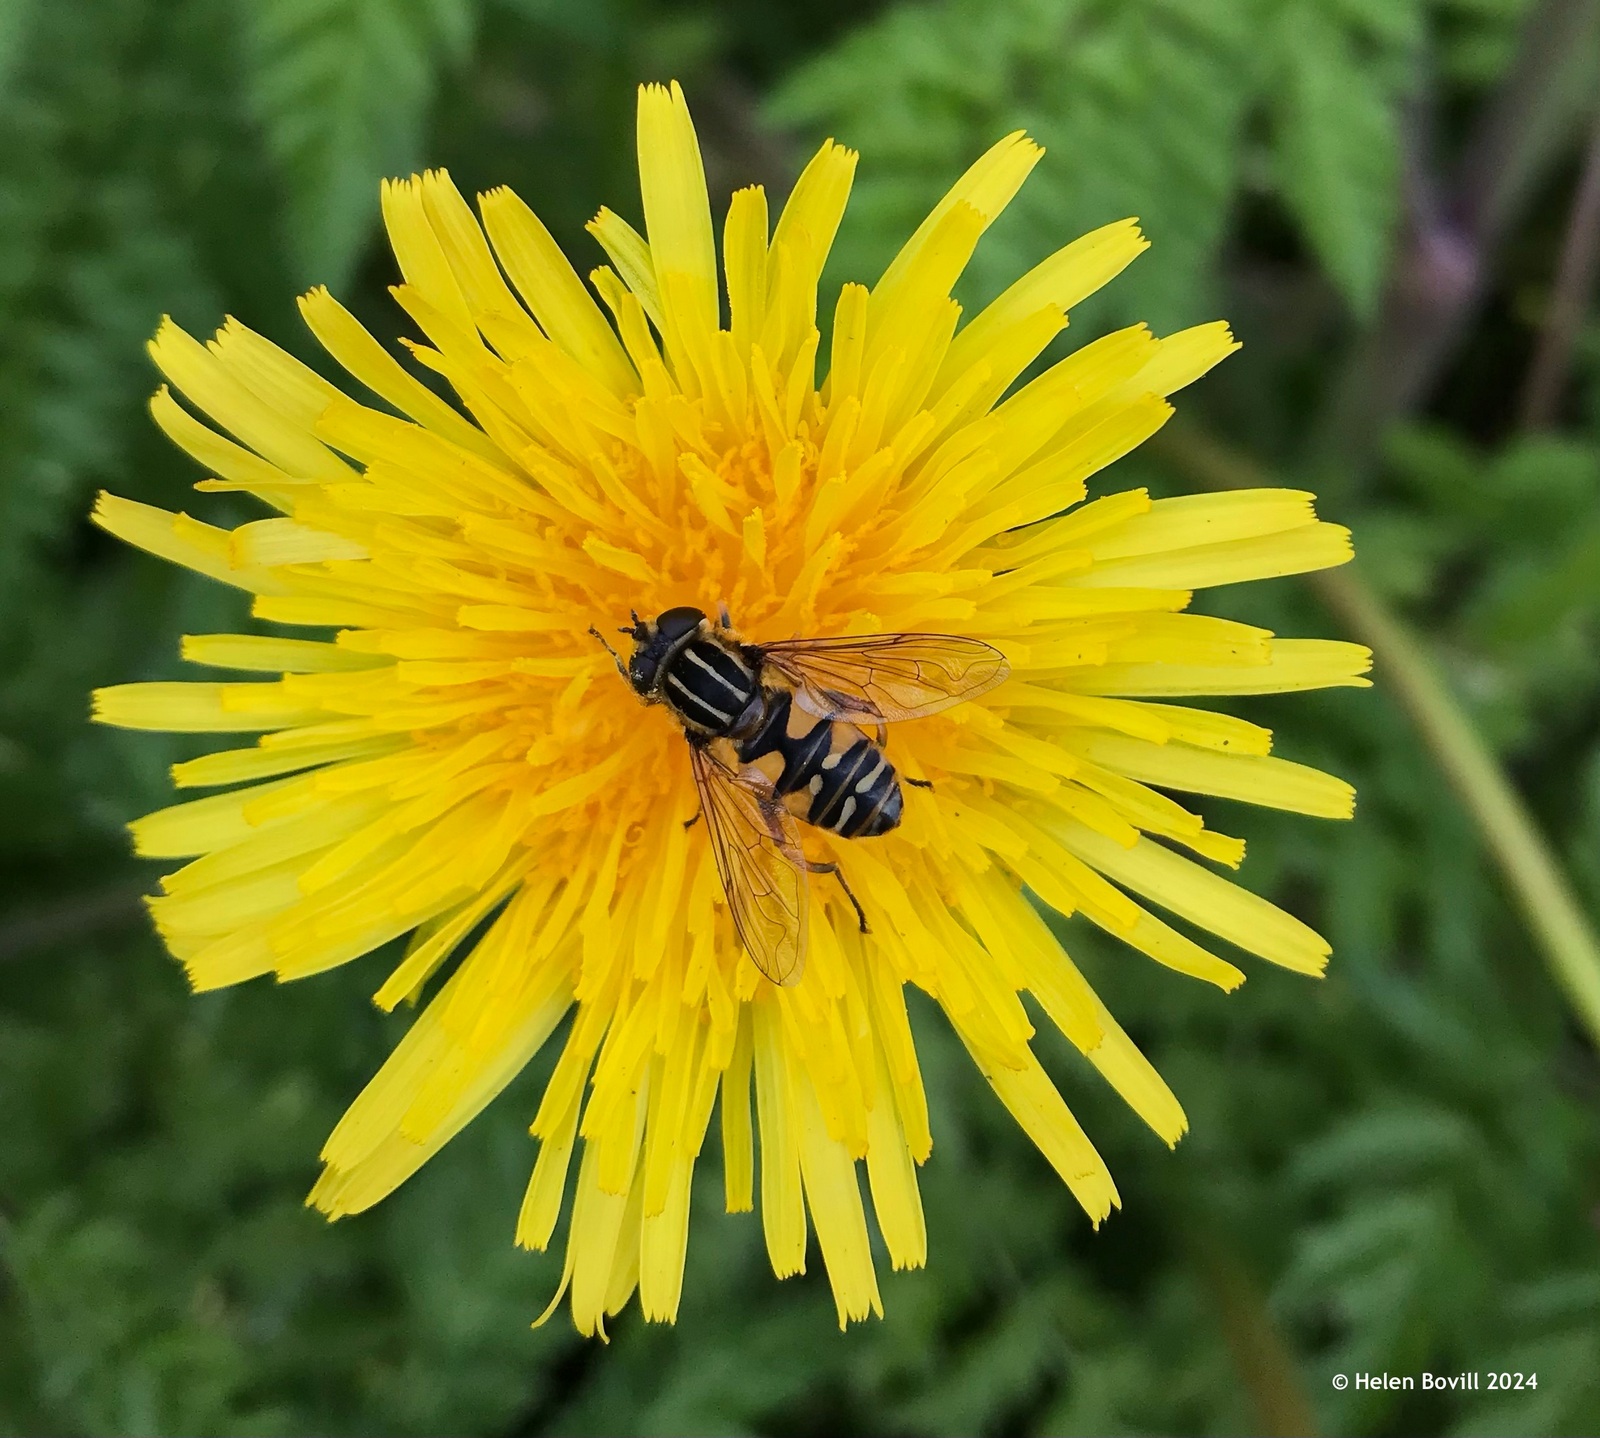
(1469, 1382)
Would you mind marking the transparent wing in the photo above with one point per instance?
(757, 847)
(885, 678)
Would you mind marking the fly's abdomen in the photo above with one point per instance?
(709, 686)
(832, 776)
(851, 787)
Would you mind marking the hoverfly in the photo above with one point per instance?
(779, 736)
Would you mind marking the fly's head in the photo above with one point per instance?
(654, 644)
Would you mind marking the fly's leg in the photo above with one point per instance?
(690, 823)
(855, 903)
(772, 812)
(917, 783)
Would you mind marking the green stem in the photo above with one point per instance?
(1531, 870)
(1267, 1367)
(1533, 874)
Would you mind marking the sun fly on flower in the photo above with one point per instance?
(461, 758)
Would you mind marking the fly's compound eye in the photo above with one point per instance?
(676, 625)
(642, 671)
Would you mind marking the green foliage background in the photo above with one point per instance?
(1397, 1169)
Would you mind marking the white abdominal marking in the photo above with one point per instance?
(816, 784)
(871, 778)
(846, 812)
(832, 761)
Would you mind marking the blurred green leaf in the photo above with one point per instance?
(15, 18)
(1146, 109)
(343, 89)
(1337, 153)
(1139, 105)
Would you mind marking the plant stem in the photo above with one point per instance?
(1267, 1367)
(1575, 275)
(67, 920)
(1531, 871)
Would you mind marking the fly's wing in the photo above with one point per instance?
(757, 848)
(884, 678)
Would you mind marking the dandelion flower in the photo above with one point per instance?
(461, 759)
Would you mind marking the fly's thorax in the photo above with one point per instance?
(710, 685)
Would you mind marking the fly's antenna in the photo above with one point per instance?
(725, 618)
(615, 657)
